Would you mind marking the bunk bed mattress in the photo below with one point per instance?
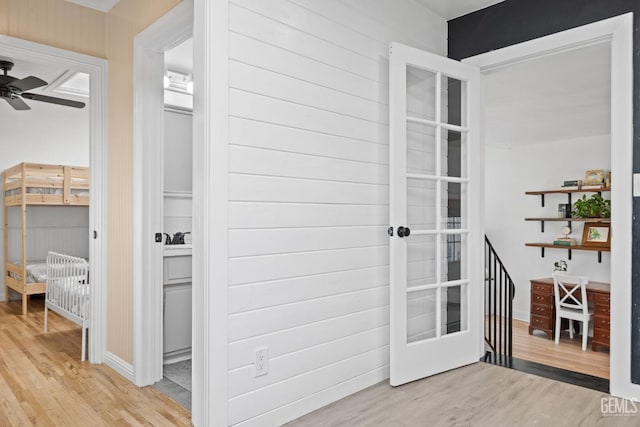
(36, 271)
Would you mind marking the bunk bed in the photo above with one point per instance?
(33, 184)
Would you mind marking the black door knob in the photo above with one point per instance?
(403, 231)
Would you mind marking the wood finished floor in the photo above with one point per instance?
(475, 395)
(43, 382)
(567, 354)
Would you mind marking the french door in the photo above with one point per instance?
(435, 213)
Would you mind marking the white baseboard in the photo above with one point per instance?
(309, 404)
(521, 315)
(120, 366)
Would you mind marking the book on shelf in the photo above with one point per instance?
(572, 183)
(565, 241)
(570, 187)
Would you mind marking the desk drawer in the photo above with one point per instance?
(600, 310)
(541, 288)
(540, 322)
(603, 299)
(542, 299)
(544, 310)
(602, 322)
(601, 336)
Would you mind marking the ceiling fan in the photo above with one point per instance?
(13, 90)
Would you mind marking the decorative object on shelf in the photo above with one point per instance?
(560, 265)
(597, 234)
(565, 240)
(564, 210)
(593, 177)
(607, 179)
(593, 207)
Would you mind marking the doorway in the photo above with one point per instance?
(96, 70)
(616, 32)
(547, 120)
(157, 211)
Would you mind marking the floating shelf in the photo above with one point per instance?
(567, 220)
(542, 247)
(541, 193)
(570, 219)
(593, 190)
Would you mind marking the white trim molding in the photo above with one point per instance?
(617, 31)
(210, 213)
(170, 30)
(120, 366)
(22, 50)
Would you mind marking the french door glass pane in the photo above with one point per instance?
(455, 199)
(421, 93)
(421, 315)
(454, 254)
(421, 260)
(453, 101)
(421, 149)
(421, 203)
(454, 154)
(453, 309)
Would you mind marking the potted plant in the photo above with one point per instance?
(593, 207)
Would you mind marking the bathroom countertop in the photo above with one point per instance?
(177, 250)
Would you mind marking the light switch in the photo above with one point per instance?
(636, 185)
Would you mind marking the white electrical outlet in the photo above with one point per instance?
(261, 361)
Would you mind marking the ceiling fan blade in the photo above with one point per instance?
(17, 103)
(52, 100)
(5, 80)
(27, 83)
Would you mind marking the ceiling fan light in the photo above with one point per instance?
(190, 87)
(166, 81)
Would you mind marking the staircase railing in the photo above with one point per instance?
(498, 298)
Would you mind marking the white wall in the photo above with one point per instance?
(308, 267)
(509, 174)
(46, 134)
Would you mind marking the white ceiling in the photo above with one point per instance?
(558, 97)
(449, 9)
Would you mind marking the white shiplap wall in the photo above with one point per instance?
(308, 267)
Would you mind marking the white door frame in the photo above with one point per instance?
(167, 32)
(22, 50)
(209, 403)
(619, 32)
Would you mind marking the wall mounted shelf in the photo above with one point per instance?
(542, 193)
(542, 220)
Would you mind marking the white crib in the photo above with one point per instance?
(67, 291)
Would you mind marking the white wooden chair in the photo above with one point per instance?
(571, 303)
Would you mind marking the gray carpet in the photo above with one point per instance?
(179, 373)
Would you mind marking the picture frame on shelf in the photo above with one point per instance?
(593, 177)
(597, 234)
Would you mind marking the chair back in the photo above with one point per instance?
(570, 292)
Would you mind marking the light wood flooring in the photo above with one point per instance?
(475, 395)
(567, 354)
(43, 382)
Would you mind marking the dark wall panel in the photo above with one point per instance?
(515, 21)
